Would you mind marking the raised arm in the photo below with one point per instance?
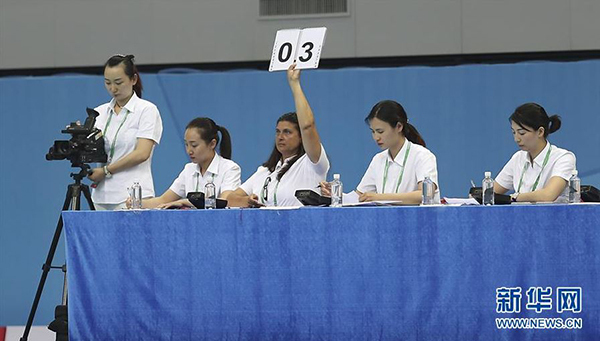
(306, 120)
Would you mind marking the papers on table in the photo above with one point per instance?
(280, 207)
(376, 203)
(350, 198)
(461, 201)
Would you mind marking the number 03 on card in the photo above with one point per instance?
(300, 46)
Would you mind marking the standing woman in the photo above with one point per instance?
(539, 171)
(396, 173)
(131, 127)
(201, 139)
(298, 160)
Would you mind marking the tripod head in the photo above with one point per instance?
(84, 172)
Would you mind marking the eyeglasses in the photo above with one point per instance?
(265, 190)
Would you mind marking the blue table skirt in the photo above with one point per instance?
(364, 273)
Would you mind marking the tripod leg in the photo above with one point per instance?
(75, 200)
(88, 196)
(64, 293)
(47, 265)
(60, 323)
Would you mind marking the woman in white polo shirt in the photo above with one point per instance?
(539, 171)
(131, 127)
(298, 160)
(396, 173)
(201, 139)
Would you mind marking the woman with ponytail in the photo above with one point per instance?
(298, 159)
(539, 171)
(131, 127)
(397, 173)
(201, 139)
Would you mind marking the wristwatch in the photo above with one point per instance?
(107, 173)
(514, 196)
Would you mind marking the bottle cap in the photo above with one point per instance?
(336, 176)
(574, 172)
(488, 174)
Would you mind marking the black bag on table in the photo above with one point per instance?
(590, 193)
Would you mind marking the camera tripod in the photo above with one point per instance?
(72, 202)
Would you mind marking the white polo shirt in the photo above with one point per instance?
(561, 163)
(420, 162)
(302, 175)
(138, 119)
(225, 174)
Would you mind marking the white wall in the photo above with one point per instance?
(62, 33)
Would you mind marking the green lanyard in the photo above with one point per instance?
(275, 193)
(387, 166)
(262, 191)
(539, 175)
(112, 146)
(198, 180)
(266, 188)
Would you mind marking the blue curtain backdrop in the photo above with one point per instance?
(461, 111)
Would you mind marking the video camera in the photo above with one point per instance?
(85, 146)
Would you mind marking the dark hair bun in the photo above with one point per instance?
(554, 124)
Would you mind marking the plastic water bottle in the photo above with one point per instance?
(210, 195)
(136, 195)
(574, 188)
(336, 191)
(428, 191)
(487, 189)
